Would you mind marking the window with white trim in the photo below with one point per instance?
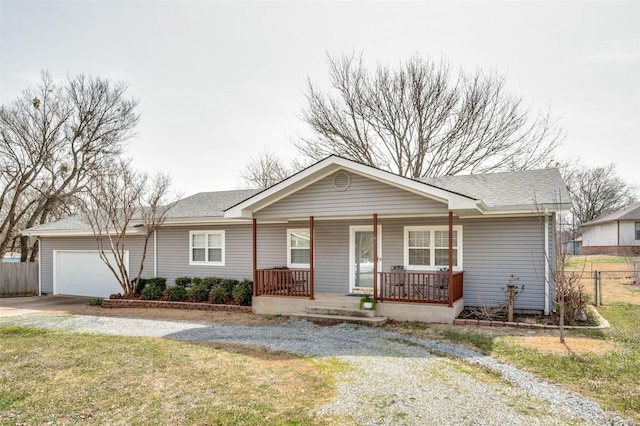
(298, 248)
(427, 247)
(206, 248)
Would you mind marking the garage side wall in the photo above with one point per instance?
(48, 245)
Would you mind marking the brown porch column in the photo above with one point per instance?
(311, 263)
(255, 258)
(375, 257)
(450, 259)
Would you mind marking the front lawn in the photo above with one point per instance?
(49, 377)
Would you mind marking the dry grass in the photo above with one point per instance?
(571, 346)
(51, 377)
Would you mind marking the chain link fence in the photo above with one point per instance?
(607, 287)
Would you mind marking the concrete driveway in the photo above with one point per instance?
(27, 305)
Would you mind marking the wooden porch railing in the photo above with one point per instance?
(283, 282)
(421, 287)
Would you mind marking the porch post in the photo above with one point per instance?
(375, 257)
(450, 258)
(311, 263)
(255, 258)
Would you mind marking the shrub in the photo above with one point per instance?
(196, 281)
(157, 280)
(176, 294)
(198, 293)
(154, 289)
(212, 282)
(95, 302)
(141, 284)
(219, 295)
(242, 293)
(229, 285)
(183, 281)
(576, 299)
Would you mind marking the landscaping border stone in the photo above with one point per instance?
(137, 303)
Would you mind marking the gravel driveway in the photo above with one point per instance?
(394, 379)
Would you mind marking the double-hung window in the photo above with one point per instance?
(637, 230)
(206, 248)
(427, 247)
(298, 248)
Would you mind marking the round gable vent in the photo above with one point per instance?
(341, 181)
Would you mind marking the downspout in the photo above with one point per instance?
(39, 266)
(546, 261)
(155, 252)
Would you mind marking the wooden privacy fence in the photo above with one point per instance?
(18, 279)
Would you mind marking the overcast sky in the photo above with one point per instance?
(220, 82)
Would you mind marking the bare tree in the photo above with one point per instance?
(597, 191)
(52, 139)
(423, 119)
(122, 204)
(264, 170)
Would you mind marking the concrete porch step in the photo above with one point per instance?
(340, 311)
(339, 319)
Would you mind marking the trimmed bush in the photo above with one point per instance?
(212, 282)
(183, 282)
(220, 296)
(153, 291)
(242, 293)
(158, 280)
(229, 285)
(176, 294)
(196, 281)
(198, 293)
(141, 284)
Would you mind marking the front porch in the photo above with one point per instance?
(406, 295)
(408, 286)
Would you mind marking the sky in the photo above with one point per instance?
(218, 82)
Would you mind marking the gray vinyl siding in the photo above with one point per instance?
(493, 250)
(173, 253)
(49, 244)
(363, 197)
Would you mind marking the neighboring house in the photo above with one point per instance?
(340, 227)
(616, 233)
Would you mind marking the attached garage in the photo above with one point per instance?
(83, 273)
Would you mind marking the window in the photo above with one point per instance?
(206, 248)
(428, 247)
(298, 248)
(637, 230)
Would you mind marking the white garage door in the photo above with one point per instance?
(83, 273)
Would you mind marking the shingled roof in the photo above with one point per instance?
(631, 212)
(526, 187)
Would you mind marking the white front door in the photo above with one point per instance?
(361, 258)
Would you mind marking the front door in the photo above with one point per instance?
(361, 258)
